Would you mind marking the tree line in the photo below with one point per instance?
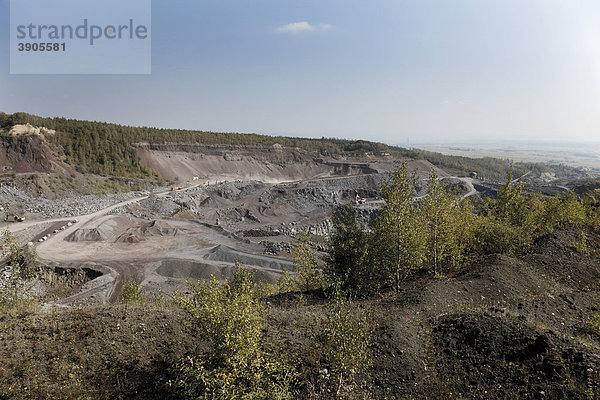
(106, 149)
(441, 233)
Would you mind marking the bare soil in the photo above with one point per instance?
(510, 327)
(64, 281)
(507, 327)
(30, 153)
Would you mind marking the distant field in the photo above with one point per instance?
(572, 154)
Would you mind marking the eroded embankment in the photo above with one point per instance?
(30, 153)
(270, 164)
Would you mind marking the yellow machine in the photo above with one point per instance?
(15, 218)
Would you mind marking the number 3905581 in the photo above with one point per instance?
(42, 46)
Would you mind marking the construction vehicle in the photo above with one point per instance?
(176, 188)
(14, 218)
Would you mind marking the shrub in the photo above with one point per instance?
(308, 276)
(493, 236)
(343, 341)
(563, 212)
(133, 293)
(229, 316)
(17, 281)
(593, 323)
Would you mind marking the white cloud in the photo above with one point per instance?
(302, 27)
(453, 103)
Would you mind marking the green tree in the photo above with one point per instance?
(438, 209)
(592, 209)
(348, 256)
(514, 210)
(308, 275)
(511, 206)
(449, 223)
(462, 222)
(398, 234)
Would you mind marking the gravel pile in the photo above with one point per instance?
(73, 206)
(327, 193)
(126, 210)
(159, 205)
(10, 195)
(194, 199)
(235, 190)
(273, 249)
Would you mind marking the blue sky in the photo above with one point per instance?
(393, 71)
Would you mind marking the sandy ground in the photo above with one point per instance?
(125, 248)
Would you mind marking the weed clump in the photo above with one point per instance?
(133, 294)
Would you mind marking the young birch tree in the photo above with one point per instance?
(398, 232)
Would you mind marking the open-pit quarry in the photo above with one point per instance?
(224, 206)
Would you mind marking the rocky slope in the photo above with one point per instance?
(270, 164)
(30, 153)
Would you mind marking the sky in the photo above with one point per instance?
(394, 71)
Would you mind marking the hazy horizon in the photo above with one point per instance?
(389, 71)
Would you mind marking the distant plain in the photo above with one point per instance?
(583, 155)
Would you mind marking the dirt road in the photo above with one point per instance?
(121, 259)
(469, 182)
(56, 249)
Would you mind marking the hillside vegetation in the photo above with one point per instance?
(440, 233)
(106, 149)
